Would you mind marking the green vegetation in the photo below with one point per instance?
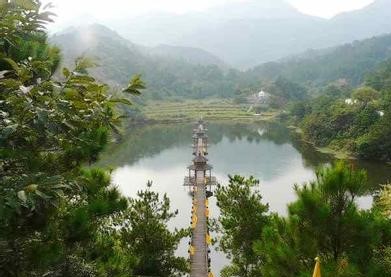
(324, 221)
(166, 78)
(242, 219)
(56, 218)
(350, 62)
(143, 232)
(355, 121)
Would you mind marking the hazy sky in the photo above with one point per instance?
(108, 9)
(328, 8)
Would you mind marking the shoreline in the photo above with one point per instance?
(168, 116)
(337, 154)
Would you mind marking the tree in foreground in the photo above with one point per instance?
(242, 219)
(328, 209)
(325, 220)
(144, 232)
(51, 211)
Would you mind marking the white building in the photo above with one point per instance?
(350, 101)
(381, 113)
(261, 94)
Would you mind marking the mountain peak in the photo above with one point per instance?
(254, 9)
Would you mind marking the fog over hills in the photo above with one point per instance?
(167, 70)
(245, 34)
(191, 72)
(191, 55)
(349, 63)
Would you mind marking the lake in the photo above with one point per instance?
(268, 151)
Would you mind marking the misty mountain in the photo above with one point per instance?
(186, 72)
(191, 55)
(167, 71)
(248, 33)
(371, 21)
(350, 63)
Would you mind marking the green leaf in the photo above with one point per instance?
(46, 16)
(12, 63)
(7, 131)
(83, 63)
(69, 125)
(61, 186)
(10, 84)
(121, 100)
(3, 72)
(22, 195)
(41, 194)
(135, 85)
(83, 79)
(26, 4)
(66, 72)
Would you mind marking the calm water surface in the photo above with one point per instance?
(267, 151)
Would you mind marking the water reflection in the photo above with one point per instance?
(264, 150)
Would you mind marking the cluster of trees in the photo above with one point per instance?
(355, 120)
(56, 218)
(324, 221)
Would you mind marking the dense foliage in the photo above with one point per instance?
(324, 221)
(143, 231)
(242, 219)
(350, 62)
(56, 218)
(354, 120)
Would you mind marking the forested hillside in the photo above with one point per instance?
(173, 72)
(350, 62)
(166, 76)
(352, 120)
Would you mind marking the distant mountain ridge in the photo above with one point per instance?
(189, 72)
(167, 70)
(349, 62)
(89, 35)
(248, 33)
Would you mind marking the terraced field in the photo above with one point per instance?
(191, 109)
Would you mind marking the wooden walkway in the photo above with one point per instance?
(198, 181)
(199, 261)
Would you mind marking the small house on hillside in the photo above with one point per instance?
(262, 97)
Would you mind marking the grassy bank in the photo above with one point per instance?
(340, 154)
(190, 110)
